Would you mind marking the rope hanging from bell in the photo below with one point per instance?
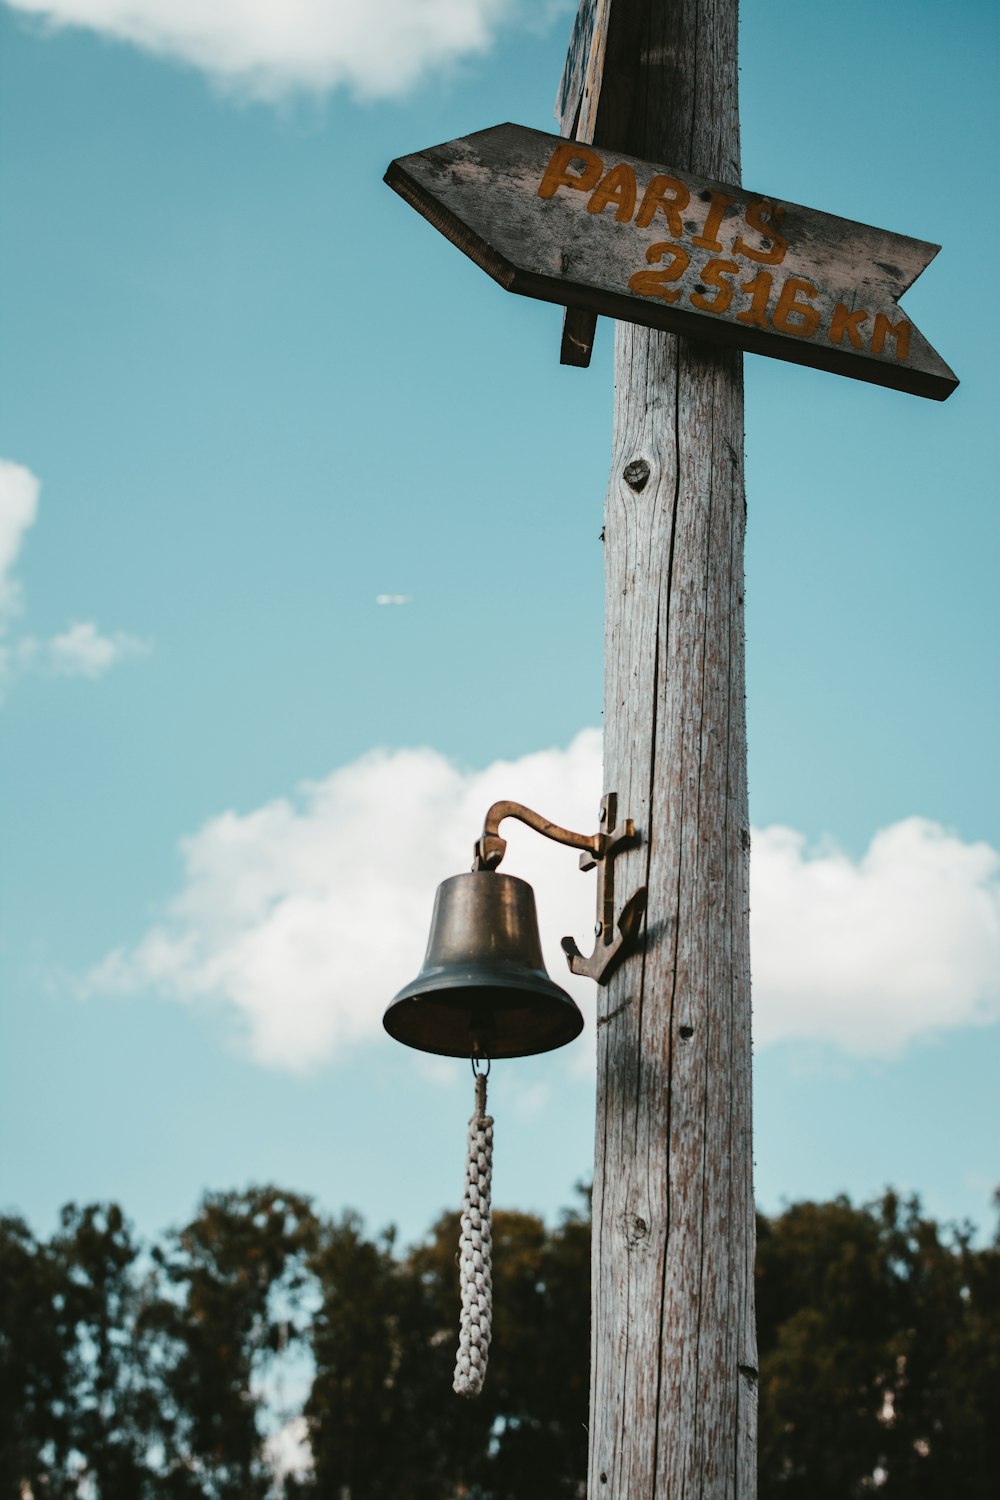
(474, 1250)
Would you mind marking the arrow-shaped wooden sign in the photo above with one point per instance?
(634, 240)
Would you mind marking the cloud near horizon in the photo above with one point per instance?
(79, 651)
(19, 490)
(377, 49)
(302, 918)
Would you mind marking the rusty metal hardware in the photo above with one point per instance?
(614, 939)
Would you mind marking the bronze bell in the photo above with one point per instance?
(483, 990)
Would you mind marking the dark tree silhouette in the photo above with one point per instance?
(879, 1354)
(234, 1281)
(34, 1368)
(111, 1409)
(383, 1418)
(129, 1375)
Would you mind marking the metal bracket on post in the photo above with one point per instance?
(611, 945)
(599, 850)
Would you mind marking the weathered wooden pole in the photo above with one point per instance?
(673, 1382)
(653, 84)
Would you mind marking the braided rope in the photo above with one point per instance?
(474, 1249)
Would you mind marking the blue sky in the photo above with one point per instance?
(245, 393)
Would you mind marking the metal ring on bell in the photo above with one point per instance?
(483, 989)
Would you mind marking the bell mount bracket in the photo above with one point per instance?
(614, 939)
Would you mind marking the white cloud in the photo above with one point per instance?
(18, 509)
(82, 651)
(79, 651)
(392, 598)
(874, 953)
(308, 917)
(267, 48)
(305, 917)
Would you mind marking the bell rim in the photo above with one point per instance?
(434, 981)
(567, 1016)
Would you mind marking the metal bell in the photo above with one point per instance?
(483, 990)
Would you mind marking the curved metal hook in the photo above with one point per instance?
(605, 959)
(599, 850)
(491, 848)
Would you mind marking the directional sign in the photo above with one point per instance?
(592, 228)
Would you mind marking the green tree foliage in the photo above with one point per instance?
(383, 1418)
(234, 1278)
(111, 1413)
(879, 1355)
(131, 1378)
(34, 1372)
(129, 1375)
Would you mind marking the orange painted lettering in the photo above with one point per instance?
(656, 196)
(651, 283)
(847, 320)
(707, 239)
(766, 218)
(558, 174)
(713, 275)
(793, 316)
(618, 187)
(760, 291)
(900, 332)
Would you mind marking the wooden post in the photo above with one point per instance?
(674, 1375)
(674, 1372)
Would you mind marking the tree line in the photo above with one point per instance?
(134, 1372)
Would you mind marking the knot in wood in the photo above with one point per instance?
(636, 1229)
(636, 474)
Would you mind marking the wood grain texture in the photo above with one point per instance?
(577, 108)
(580, 84)
(673, 1398)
